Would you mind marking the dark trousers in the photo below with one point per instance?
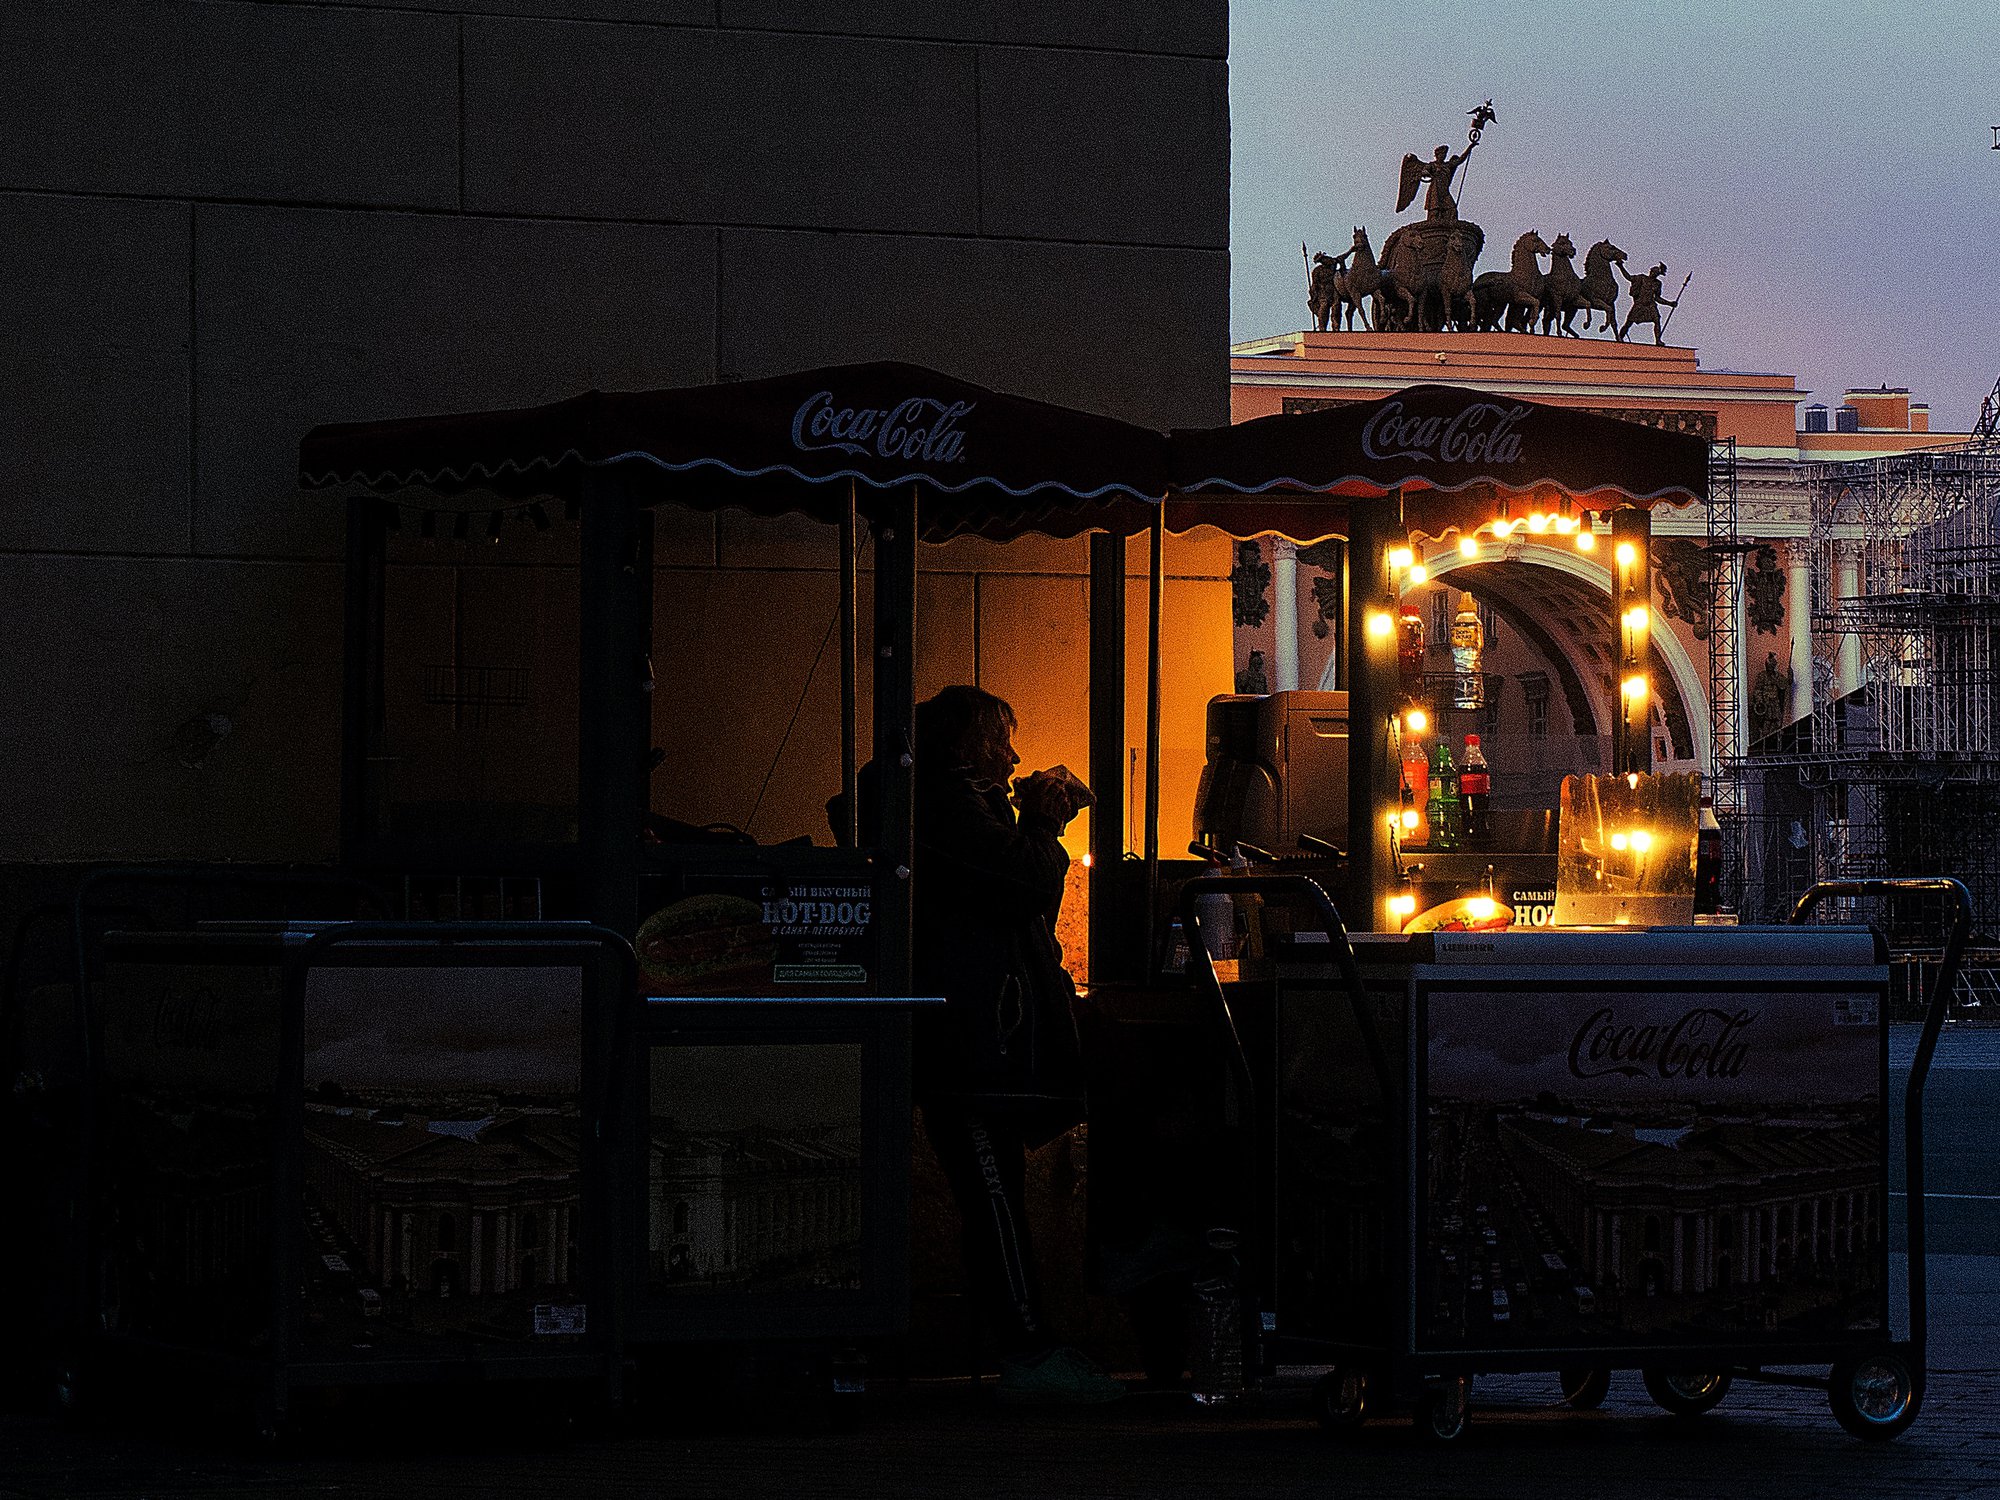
(985, 1161)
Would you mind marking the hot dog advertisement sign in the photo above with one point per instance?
(755, 936)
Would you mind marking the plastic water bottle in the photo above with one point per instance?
(1216, 1335)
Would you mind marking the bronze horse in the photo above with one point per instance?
(1365, 279)
(1516, 293)
(1600, 287)
(1562, 290)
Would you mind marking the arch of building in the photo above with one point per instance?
(1689, 684)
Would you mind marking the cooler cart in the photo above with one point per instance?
(1576, 1151)
(353, 1154)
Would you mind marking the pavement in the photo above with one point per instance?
(949, 1438)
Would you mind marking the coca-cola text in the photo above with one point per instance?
(1480, 433)
(917, 427)
(1704, 1043)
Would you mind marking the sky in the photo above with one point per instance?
(1826, 171)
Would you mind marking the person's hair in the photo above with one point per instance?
(956, 721)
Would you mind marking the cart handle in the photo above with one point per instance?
(1920, 1065)
(1343, 957)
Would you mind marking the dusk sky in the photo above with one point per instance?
(1825, 171)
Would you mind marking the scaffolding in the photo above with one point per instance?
(1898, 769)
(1726, 745)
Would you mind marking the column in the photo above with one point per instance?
(1285, 614)
(1847, 585)
(502, 1246)
(385, 1263)
(409, 1244)
(1617, 1267)
(475, 1237)
(1771, 1243)
(1753, 1250)
(1679, 1223)
(559, 1251)
(1798, 624)
(1704, 1269)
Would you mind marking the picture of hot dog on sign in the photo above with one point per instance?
(711, 943)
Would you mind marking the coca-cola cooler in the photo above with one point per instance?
(1583, 1150)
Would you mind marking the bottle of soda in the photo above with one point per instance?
(1447, 807)
(1475, 784)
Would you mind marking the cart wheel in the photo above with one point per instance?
(1444, 1410)
(1585, 1388)
(1875, 1394)
(1340, 1399)
(1686, 1393)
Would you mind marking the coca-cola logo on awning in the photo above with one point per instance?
(1706, 1042)
(1483, 432)
(917, 427)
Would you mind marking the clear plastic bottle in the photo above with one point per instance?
(1215, 1342)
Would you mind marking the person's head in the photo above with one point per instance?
(968, 726)
(1439, 154)
(1660, 269)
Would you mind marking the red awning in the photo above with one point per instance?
(1454, 453)
(986, 462)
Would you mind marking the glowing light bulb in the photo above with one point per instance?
(1566, 524)
(1619, 841)
(1401, 557)
(1479, 908)
(1417, 720)
(1468, 547)
(1380, 625)
(1635, 617)
(1586, 540)
(1632, 780)
(1641, 840)
(1626, 554)
(1402, 906)
(1419, 573)
(1538, 523)
(1409, 817)
(1635, 689)
(1503, 528)
(1088, 861)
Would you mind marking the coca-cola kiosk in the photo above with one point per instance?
(1662, 1149)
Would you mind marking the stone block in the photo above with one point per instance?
(1104, 146)
(252, 101)
(742, 127)
(1194, 27)
(1066, 323)
(748, 669)
(97, 385)
(171, 708)
(308, 316)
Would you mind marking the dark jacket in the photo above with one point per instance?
(987, 886)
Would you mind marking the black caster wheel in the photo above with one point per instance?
(1875, 1394)
(1585, 1388)
(1340, 1399)
(1686, 1393)
(1445, 1410)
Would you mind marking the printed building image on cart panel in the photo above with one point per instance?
(1650, 1165)
(442, 1161)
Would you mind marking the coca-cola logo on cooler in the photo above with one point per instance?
(1483, 432)
(916, 427)
(1706, 1042)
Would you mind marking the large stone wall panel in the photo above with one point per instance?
(738, 127)
(1130, 331)
(170, 708)
(305, 316)
(1143, 144)
(230, 100)
(1197, 28)
(95, 380)
(736, 653)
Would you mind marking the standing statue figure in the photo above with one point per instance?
(1646, 300)
(1325, 288)
(1439, 205)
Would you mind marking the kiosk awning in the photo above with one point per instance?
(984, 461)
(1453, 452)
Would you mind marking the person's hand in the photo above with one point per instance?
(1046, 795)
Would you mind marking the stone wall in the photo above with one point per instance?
(222, 222)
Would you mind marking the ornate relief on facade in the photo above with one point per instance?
(1684, 574)
(1764, 591)
(1250, 585)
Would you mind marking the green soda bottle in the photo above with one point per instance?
(1447, 807)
